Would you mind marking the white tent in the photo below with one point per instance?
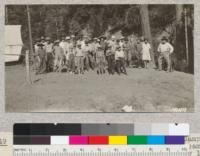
(13, 43)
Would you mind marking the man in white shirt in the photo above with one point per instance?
(37, 58)
(49, 50)
(165, 49)
(120, 60)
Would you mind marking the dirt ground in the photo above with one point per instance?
(143, 90)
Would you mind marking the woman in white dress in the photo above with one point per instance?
(146, 57)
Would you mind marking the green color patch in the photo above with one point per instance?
(137, 140)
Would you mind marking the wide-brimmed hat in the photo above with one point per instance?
(122, 38)
(113, 37)
(48, 38)
(40, 44)
(67, 38)
(99, 47)
(56, 41)
(164, 38)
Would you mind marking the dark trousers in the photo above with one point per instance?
(120, 64)
(111, 64)
(71, 63)
(139, 60)
(49, 62)
(166, 56)
(42, 66)
(86, 62)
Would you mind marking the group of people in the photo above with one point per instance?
(101, 54)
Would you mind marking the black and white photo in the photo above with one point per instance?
(99, 58)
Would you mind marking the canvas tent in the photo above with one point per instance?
(13, 43)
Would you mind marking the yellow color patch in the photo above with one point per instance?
(118, 140)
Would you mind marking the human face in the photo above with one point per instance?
(163, 41)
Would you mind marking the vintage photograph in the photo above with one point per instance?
(99, 58)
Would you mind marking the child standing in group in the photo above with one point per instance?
(146, 57)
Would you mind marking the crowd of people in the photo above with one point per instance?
(101, 54)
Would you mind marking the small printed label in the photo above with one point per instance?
(6, 144)
(179, 110)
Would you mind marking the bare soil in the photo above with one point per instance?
(145, 90)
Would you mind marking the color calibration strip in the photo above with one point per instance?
(99, 140)
(100, 134)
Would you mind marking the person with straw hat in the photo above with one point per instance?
(42, 56)
(100, 60)
(110, 57)
(79, 59)
(36, 55)
(165, 49)
(58, 56)
(49, 49)
(120, 61)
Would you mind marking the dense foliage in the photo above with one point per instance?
(95, 20)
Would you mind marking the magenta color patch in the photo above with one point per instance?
(78, 140)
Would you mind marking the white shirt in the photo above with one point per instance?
(118, 54)
(36, 47)
(49, 47)
(146, 47)
(167, 47)
(62, 44)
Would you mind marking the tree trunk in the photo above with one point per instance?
(178, 37)
(179, 11)
(146, 30)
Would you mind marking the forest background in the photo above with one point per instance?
(151, 21)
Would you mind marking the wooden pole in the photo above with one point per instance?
(6, 15)
(29, 29)
(28, 79)
(31, 47)
(186, 37)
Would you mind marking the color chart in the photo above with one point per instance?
(100, 134)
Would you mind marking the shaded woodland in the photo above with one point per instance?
(151, 21)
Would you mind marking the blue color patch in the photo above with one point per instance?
(156, 140)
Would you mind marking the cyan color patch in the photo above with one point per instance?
(156, 140)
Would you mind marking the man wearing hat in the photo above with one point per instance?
(43, 40)
(36, 55)
(67, 47)
(100, 60)
(62, 44)
(112, 43)
(49, 49)
(42, 56)
(86, 51)
(127, 52)
(79, 60)
(165, 49)
(110, 57)
(58, 56)
(137, 53)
